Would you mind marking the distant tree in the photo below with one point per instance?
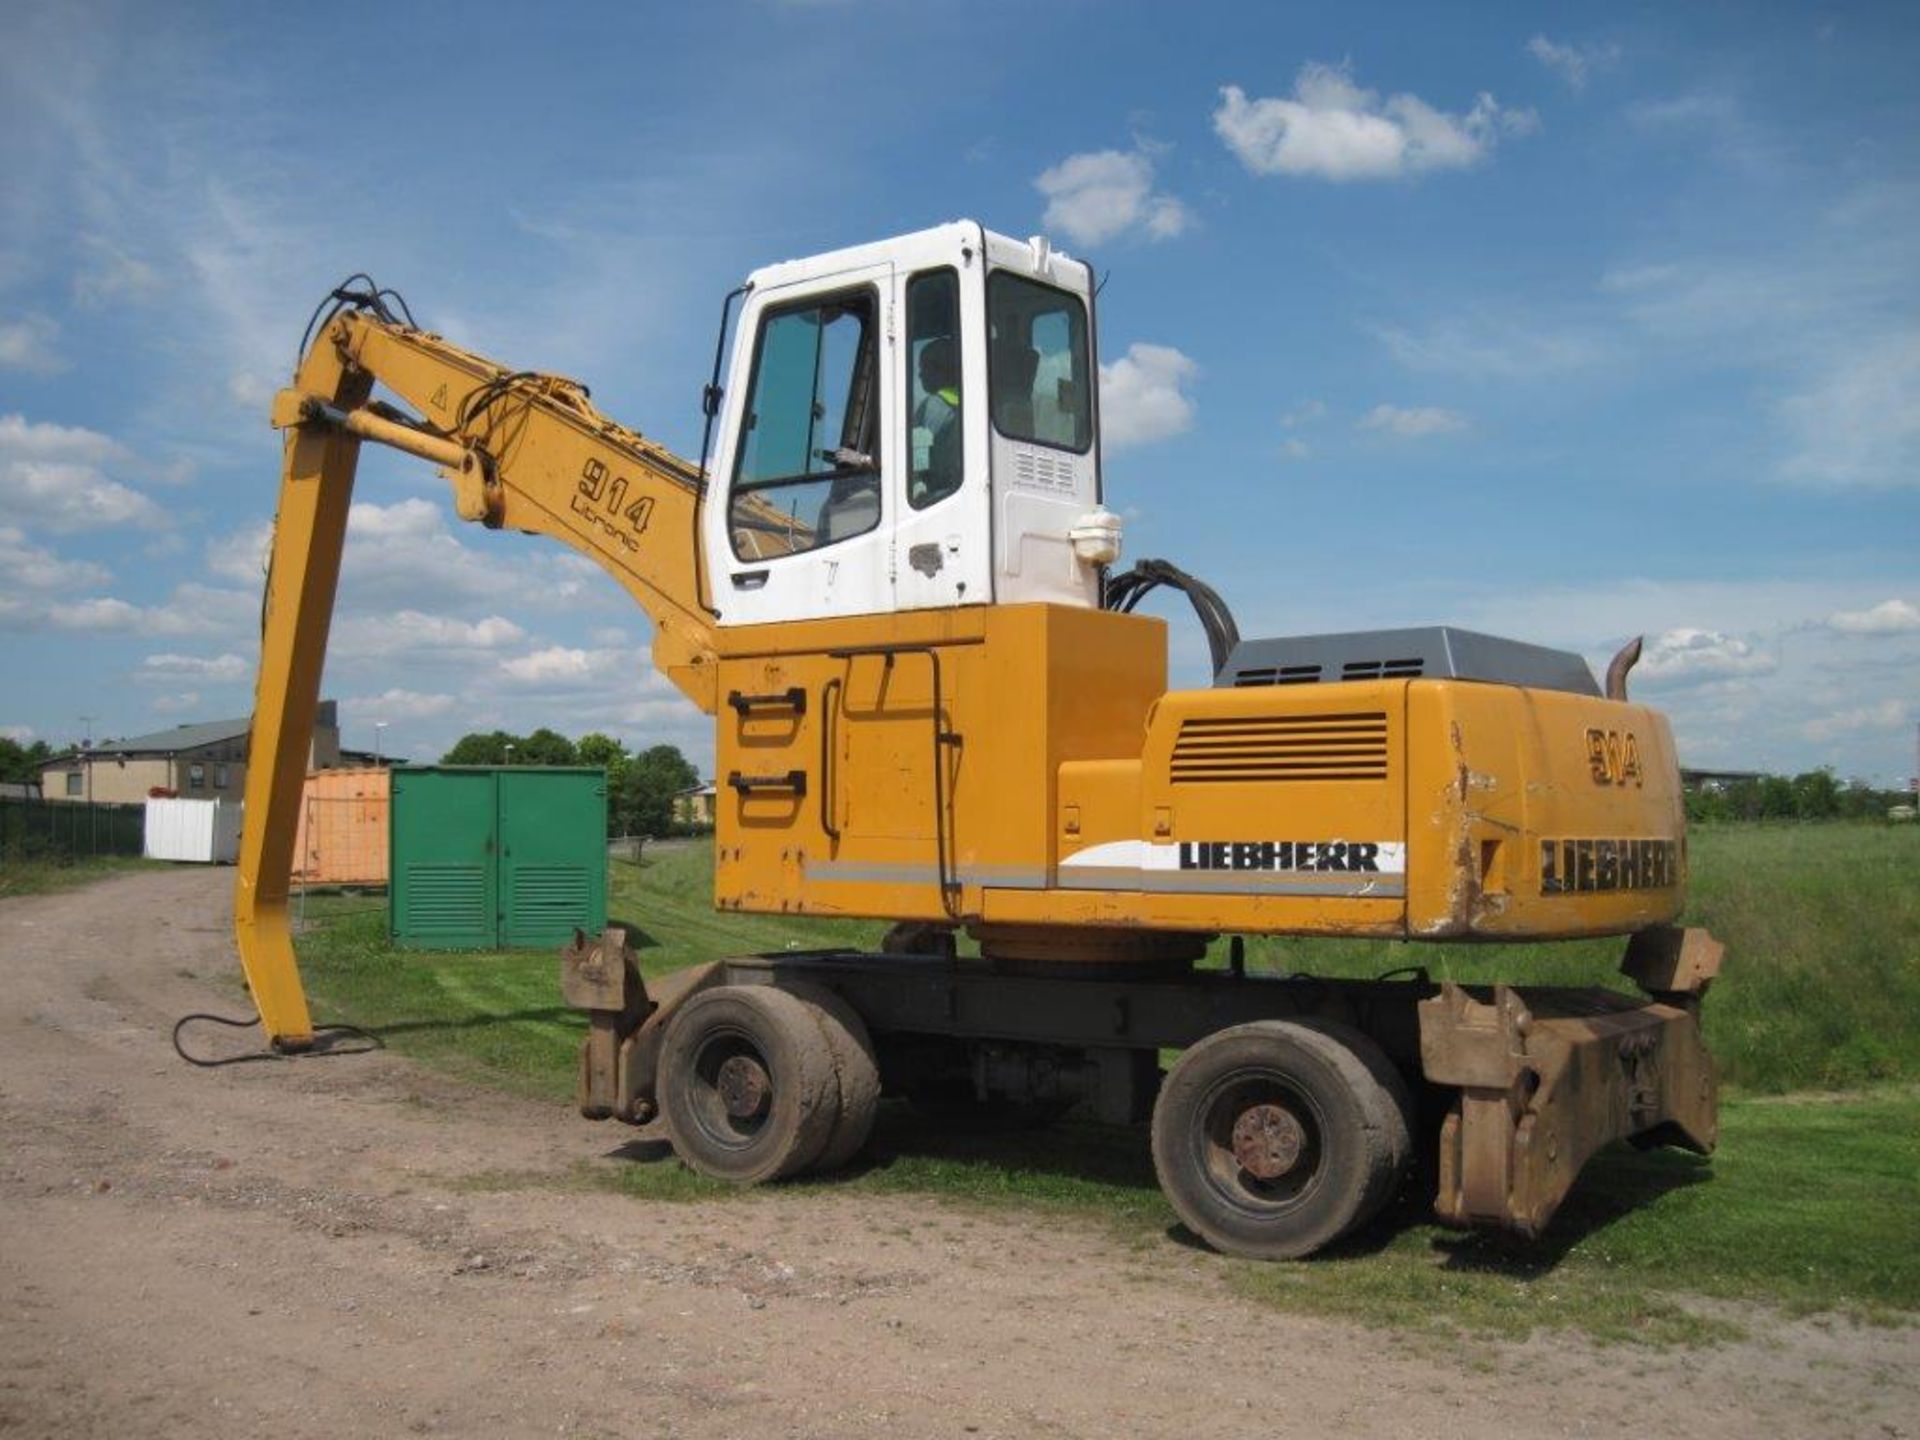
(545, 747)
(1776, 798)
(1816, 795)
(21, 763)
(482, 749)
(610, 755)
(653, 778)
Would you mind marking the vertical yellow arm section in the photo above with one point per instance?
(309, 533)
(527, 452)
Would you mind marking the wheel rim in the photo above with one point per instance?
(1260, 1144)
(730, 1094)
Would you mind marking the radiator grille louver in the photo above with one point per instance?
(448, 899)
(548, 897)
(1214, 750)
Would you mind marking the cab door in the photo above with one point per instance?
(943, 542)
(1045, 452)
(807, 475)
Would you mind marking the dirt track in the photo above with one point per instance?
(299, 1249)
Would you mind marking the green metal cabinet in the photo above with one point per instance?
(496, 857)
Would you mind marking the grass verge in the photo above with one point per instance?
(1811, 1204)
(42, 876)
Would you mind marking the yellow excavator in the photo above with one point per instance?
(892, 581)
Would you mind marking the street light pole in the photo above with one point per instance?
(378, 726)
(86, 750)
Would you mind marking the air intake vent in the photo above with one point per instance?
(1218, 750)
(547, 899)
(1383, 669)
(448, 900)
(1279, 675)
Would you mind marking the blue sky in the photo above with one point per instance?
(1566, 323)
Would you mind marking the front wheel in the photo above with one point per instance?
(1271, 1140)
(747, 1084)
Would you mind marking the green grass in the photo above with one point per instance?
(1821, 988)
(42, 875)
(1812, 1202)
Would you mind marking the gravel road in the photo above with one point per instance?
(317, 1249)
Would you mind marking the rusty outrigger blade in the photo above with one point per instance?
(1549, 1076)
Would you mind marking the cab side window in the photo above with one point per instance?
(807, 471)
(934, 415)
(1038, 363)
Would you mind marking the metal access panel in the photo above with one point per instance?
(553, 855)
(488, 858)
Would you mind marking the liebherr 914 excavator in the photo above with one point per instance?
(894, 589)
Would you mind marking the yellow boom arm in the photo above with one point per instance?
(523, 451)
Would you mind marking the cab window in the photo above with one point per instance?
(935, 468)
(1037, 363)
(807, 471)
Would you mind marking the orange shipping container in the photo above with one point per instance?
(343, 829)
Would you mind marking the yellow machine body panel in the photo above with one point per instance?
(1056, 783)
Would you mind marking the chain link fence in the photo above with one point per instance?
(69, 830)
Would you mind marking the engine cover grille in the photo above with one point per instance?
(1215, 750)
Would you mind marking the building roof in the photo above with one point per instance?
(181, 737)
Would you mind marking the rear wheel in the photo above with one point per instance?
(1273, 1139)
(747, 1084)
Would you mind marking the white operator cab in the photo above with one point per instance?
(910, 425)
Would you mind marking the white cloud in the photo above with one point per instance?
(1095, 196)
(1414, 422)
(398, 704)
(1332, 129)
(1687, 654)
(412, 519)
(27, 566)
(113, 274)
(406, 556)
(1860, 425)
(1143, 396)
(1305, 413)
(413, 632)
(54, 476)
(1891, 715)
(1889, 617)
(1294, 448)
(1492, 348)
(175, 704)
(190, 610)
(28, 344)
(170, 669)
(563, 665)
(1573, 62)
(19, 734)
(242, 555)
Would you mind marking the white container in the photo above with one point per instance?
(202, 831)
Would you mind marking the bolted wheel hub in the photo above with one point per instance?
(745, 1087)
(1267, 1141)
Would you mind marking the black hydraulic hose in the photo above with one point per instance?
(201, 1017)
(1128, 589)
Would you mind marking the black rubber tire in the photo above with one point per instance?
(855, 1069)
(780, 1033)
(1355, 1140)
